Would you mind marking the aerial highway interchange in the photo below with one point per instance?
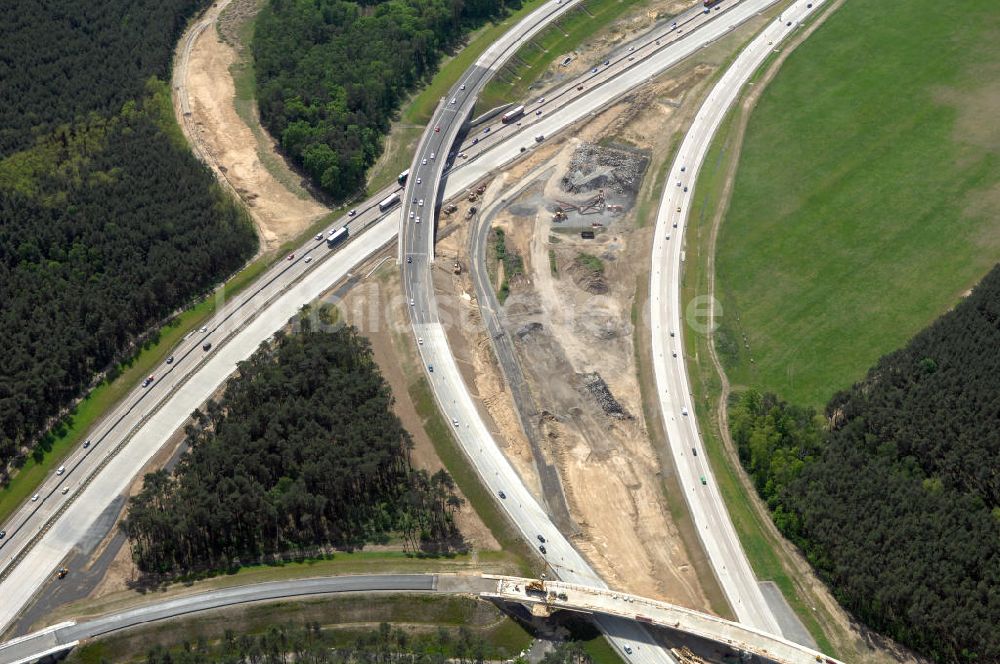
(45, 528)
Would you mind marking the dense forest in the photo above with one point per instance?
(331, 74)
(302, 451)
(311, 643)
(107, 223)
(895, 496)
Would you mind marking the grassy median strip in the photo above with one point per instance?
(572, 29)
(420, 109)
(763, 553)
(461, 469)
(343, 619)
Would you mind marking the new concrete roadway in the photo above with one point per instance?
(677, 407)
(64, 636)
(149, 416)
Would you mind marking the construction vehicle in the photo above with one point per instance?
(450, 209)
(535, 588)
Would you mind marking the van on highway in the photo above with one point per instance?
(684, 410)
(60, 470)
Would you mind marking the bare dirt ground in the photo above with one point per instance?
(228, 144)
(581, 324)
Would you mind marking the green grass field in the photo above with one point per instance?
(866, 199)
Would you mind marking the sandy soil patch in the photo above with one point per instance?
(610, 470)
(229, 145)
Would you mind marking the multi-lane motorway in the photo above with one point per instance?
(163, 406)
(667, 330)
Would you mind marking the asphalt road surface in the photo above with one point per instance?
(148, 417)
(668, 328)
(64, 635)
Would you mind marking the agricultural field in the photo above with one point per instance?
(867, 194)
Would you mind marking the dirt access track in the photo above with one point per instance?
(223, 140)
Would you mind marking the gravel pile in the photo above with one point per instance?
(600, 391)
(594, 167)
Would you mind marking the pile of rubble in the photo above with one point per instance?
(602, 393)
(595, 167)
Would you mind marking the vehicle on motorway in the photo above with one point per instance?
(594, 70)
(541, 547)
(86, 444)
(65, 490)
(308, 259)
(418, 180)
(540, 539)
(607, 63)
(3, 533)
(203, 330)
(678, 208)
(503, 496)
(433, 155)
(454, 99)
(461, 87)
(411, 214)
(207, 346)
(683, 168)
(420, 341)
(475, 140)
(685, 188)
(541, 100)
(401, 178)
(704, 481)
(319, 236)
(512, 114)
(672, 333)
(337, 236)
(389, 201)
(694, 452)
(148, 381)
(417, 220)
(539, 138)
(412, 303)
(291, 256)
(423, 162)
(61, 573)
(409, 259)
(34, 498)
(454, 421)
(711, 3)
(60, 470)
(684, 410)
(352, 213)
(170, 360)
(420, 202)
(538, 112)
(628, 650)
(437, 129)
(579, 87)
(430, 368)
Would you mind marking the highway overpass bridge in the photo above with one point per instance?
(542, 597)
